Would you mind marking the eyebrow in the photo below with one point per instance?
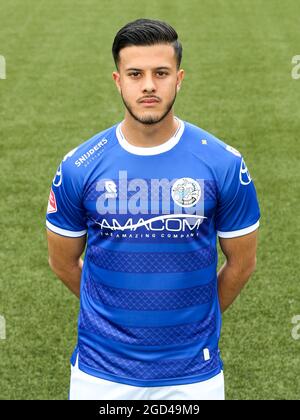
(157, 68)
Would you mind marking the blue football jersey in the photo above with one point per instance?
(149, 309)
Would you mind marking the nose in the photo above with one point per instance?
(148, 84)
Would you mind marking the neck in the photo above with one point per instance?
(148, 135)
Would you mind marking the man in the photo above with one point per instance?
(148, 197)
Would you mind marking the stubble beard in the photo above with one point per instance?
(150, 119)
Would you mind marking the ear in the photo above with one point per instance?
(116, 78)
(180, 77)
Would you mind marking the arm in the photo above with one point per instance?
(240, 263)
(65, 259)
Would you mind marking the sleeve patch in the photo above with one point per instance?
(52, 206)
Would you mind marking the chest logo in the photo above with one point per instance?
(111, 189)
(186, 192)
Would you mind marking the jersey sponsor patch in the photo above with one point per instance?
(52, 207)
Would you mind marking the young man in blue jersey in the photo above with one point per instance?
(149, 197)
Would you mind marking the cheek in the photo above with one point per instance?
(168, 89)
(129, 89)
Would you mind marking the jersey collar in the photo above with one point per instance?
(155, 150)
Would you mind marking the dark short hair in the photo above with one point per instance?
(146, 32)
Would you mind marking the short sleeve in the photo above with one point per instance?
(238, 209)
(65, 213)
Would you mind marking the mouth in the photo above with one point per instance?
(149, 102)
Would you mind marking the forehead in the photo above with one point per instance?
(147, 57)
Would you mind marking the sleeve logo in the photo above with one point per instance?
(57, 180)
(52, 207)
(245, 177)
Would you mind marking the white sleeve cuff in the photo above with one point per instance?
(64, 232)
(240, 232)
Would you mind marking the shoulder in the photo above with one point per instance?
(207, 145)
(223, 159)
(78, 162)
(91, 150)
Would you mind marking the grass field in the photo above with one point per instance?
(59, 92)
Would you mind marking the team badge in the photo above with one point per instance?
(52, 207)
(186, 192)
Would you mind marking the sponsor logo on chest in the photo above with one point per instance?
(152, 204)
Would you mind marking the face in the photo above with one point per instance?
(148, 72)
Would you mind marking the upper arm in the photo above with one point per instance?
(64, 251)
(237, 217)
(238, 210)
(66, 216)
(241, 251)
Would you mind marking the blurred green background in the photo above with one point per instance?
(59, 92)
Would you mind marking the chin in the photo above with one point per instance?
(150, 119)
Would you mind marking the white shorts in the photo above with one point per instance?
(88, 387)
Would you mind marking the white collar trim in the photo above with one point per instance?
(155, 150)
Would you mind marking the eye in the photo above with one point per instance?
(134, 74)
(162, 73)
